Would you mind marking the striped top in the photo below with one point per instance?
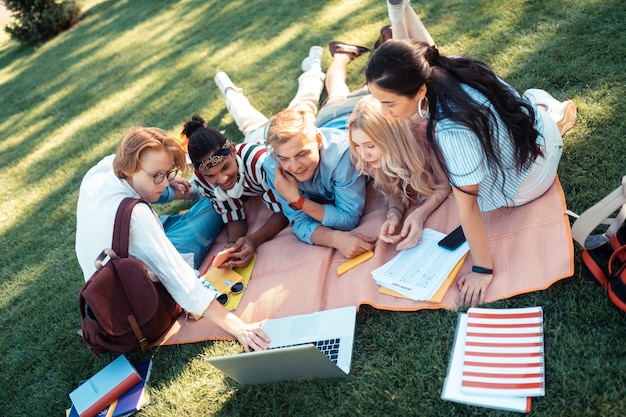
(254, 184)
(467, 163)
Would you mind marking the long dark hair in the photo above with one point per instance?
(403, 66)
(203, 140)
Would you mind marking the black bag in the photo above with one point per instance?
(606, 264)
(121, 307)
(604, 255)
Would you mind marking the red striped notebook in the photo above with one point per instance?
(504, 352)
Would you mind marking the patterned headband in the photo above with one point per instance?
(214, 160)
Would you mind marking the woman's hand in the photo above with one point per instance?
(389, 230)
(412, 230)
(252, 336)
(473, 287)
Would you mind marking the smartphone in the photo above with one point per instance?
(453, 240)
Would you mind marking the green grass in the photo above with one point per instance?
(66, 104)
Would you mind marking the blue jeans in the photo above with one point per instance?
(195, 230)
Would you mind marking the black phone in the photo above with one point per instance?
(453, 240)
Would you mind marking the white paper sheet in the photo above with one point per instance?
(418, 272)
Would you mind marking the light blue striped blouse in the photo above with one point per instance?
(467, 163)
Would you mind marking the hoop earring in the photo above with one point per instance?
(423, 113)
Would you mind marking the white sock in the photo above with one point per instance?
(395, 11)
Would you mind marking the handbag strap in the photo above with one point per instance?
(595, 215)
(121, 229)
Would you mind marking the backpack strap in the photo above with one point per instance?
(121, 232)
(595, 215)
(121, 228)
(143, 342)
(594, 265)
(617, 278)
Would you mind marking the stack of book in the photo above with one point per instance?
(118, 390)
(498, 359)
(423, 272)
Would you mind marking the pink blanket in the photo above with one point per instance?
(531, 249)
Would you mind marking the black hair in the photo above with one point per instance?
(203, 141)
(403, 66)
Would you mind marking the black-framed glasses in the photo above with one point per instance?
(215, 159)
(160, 176)
(235, 289)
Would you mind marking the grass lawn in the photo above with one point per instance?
(66, 104)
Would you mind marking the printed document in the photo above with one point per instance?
(418, 272)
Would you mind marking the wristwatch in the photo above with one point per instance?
(298, 204)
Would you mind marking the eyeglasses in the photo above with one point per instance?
(215, 159)
(159, 177)
(235, 289)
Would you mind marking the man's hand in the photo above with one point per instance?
(352, 244)
(182, 188)
(286, 185)
(241, 253)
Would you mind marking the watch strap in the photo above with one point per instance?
(297, 205)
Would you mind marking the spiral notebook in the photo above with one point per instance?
(504, 352)
(452, 385)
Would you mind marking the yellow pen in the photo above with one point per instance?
(351, 263)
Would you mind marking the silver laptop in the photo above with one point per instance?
(308, 346)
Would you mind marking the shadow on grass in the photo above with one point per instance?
(91, 69)
(81, 91)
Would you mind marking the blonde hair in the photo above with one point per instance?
(288, 124)
(404, 170)
(137, 140)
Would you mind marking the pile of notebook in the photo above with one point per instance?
(118, 390)
(423, 272)
(498, 359)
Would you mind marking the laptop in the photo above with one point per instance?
(307, 346)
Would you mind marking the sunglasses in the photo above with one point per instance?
(235, 289)
(215, 159)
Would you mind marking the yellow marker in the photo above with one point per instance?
(351, 263)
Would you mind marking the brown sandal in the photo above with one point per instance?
(385, 35)
(355, 51)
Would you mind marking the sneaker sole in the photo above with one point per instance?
(569, 117)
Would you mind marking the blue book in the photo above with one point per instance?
(106, 386)
(132, 401)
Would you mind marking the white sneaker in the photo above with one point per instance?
(314, 60)
(223, 83)
(563, 113)
(396, 11)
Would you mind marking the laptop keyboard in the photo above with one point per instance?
(329, 347)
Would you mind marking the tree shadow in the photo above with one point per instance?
(98, 68)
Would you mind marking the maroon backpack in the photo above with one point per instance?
(121, 307)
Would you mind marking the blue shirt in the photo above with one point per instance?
(467, 163)
(336, 184)
(338, 122)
